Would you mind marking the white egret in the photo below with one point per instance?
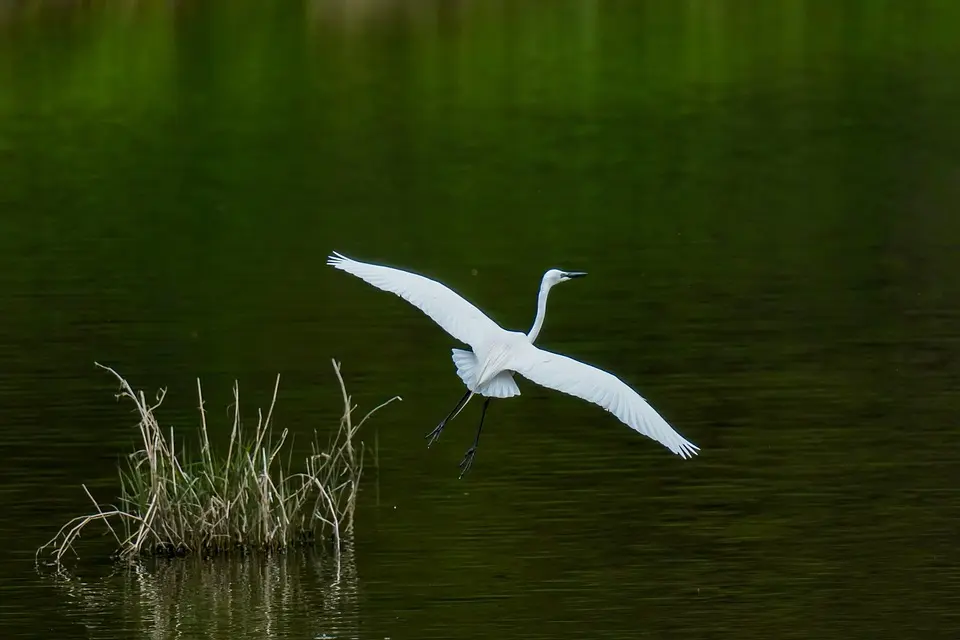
(497, 354)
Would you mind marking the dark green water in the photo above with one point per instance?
(766, 198)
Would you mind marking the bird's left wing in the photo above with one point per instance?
(448, 309)
(601, 388)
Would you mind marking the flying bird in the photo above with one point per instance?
(488, 370)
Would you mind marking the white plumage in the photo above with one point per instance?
(595, 385)
(458, 317)
(498, 354)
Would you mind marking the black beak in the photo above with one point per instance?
(575, 274)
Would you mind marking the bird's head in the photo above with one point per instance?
(556, 276)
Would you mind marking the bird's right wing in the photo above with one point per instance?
(455, 315)
(601, 388)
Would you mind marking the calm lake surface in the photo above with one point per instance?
(766, 197)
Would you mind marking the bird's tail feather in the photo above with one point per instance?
(466, 363)
(468, 368)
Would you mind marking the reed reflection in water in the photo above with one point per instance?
(252, 596)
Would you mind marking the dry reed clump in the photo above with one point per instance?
(248, 500)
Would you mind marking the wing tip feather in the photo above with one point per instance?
(686, 450)
(336, 259)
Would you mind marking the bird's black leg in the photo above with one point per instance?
(467, 461)
(433, 435)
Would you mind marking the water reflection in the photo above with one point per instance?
(292, 595)
(765, 192)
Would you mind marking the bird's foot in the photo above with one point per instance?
(433, 435)
(467, 461)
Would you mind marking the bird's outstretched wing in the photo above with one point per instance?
(455, 315)
(601, 388)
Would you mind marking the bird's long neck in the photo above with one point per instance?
(541, 312)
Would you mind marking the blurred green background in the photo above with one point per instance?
(764, 194)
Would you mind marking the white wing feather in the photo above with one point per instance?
(448, 309)
(601, 388)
